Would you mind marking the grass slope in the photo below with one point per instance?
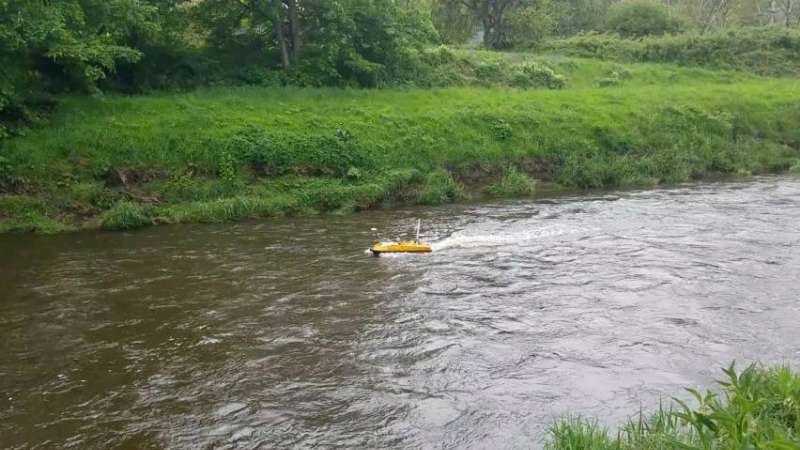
(231, 153)
(758, 408)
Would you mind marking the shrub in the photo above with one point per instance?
(235, 208)
(490, 72)
(757, 408)
(439, 187)
(268, 154)
(94, 194)
(637, 18)
(764, 51)
(513, 183)
(530, 26)
(126, 216)
(609, 81)
(502, 130)
(438, 55)
(533, 75)
(5, 166)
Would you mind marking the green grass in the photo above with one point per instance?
(512, 183)
(758, 408)
(232, 153)
(760, 50)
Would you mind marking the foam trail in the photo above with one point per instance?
(463, 239)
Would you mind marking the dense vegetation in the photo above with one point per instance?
(758, 408)
(230, 153)
(52, 47)
(125, 113)
(766, 51)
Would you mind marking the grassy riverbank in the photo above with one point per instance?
(230, 153)
(757, 408)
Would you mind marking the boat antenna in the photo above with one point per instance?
(419, 224)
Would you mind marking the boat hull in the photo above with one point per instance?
(400, 247)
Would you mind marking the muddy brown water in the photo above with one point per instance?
(286, 334)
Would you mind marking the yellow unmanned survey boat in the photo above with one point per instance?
(401, 247)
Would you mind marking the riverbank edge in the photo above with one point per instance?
(127, 216)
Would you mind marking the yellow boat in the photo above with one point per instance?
(401, 247)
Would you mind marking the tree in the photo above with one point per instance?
(709, 14)
(788, 9)
(316, 41)
(529, 26)
(637, 18)
(455, 21)
(576, 16)
(494, 17)
(49, 46)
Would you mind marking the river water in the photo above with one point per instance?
(285, 333)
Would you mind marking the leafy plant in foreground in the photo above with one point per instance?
(757, 408)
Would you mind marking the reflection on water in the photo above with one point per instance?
(285, 333)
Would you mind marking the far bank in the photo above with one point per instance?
(235, 153)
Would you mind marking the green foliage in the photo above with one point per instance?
(615, 77)
(609, 81)
(504, 24)
(440, 187)
(490, 72)
(502, 130)
(342, 150)
(454, 22)
(573, 17)
(79, 45)
(5, 169)
(313, 154)
(757, 408)
(531, 25)
(126, 215)
(227, 168)
(226, 209)
(94, 194)
(578, 434)
(533, 75)
(344, 42)
(637, 18)
(22, 213)
(765, 51)
(513, 183)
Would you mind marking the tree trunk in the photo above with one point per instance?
(772, 12)
(294, 31)
(787, 13)
(280, 36)
(487, 33)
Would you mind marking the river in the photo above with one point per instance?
(286, 333)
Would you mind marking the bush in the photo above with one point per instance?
(530, 26)
(533, 75)
(513, 183)
(637, 18)
(440, 187)
(490, 72)
(758, 408)
(764, 51)
(266, 154)
(5, 166)
(610, 81)
(126, 216)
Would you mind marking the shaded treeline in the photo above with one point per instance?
(50, 47)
